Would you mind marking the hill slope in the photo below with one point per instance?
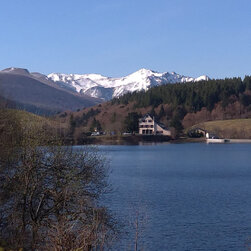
(232, 128)
(37, 94)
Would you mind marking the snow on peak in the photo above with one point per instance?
(99, 86)
(201, 78)
(145, 71)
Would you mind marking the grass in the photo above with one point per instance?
(30, 119)
(234, 128)
(26, 117)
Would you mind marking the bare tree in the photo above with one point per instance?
(138, 224)
(49, 195)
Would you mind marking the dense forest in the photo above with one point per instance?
(192, 96)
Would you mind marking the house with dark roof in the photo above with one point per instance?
(148, 126)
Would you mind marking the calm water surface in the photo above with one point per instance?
(188, 196)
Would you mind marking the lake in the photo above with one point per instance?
(192, 196)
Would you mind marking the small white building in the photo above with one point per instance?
(148, 126)
(211, 136)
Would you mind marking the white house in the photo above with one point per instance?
(211, 136)
(148, 126)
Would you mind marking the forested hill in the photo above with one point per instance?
(177, 105)
(193, 96)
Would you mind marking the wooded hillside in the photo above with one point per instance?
(176, 105)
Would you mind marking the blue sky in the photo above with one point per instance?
(118, 37)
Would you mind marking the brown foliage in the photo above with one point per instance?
(232, 111)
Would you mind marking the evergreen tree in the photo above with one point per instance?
(72, 125)
(131, 122)
(95, 126)
(161, 112)
(176, 123)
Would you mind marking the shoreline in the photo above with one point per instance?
(239, 141)
(137, 139)
(149, 139)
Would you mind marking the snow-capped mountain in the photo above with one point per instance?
(98, 86)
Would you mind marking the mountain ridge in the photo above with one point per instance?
(106, 88)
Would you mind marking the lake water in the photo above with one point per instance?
(188, 196)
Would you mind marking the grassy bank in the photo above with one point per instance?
(234, 128)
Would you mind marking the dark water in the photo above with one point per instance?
(188, 196)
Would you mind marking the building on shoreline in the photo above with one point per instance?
(148, 126)
(197, 132)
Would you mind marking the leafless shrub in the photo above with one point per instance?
(49, 195)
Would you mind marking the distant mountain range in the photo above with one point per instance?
(36, 93)
(106, 88)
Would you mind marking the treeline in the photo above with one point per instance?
(192, 96)
(78, 121)
(83, 120)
